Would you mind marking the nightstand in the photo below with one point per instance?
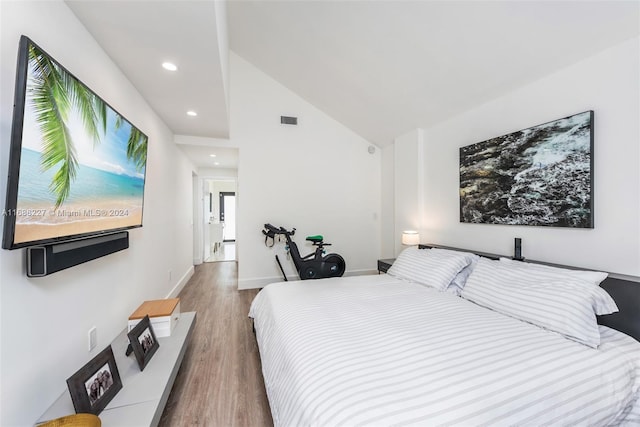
(384, 264)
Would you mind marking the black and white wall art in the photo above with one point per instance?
(541, 176)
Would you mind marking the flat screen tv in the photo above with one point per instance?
(76, 166)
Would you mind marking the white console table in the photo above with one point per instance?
(144, 394)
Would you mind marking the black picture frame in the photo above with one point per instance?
(539, 176)
(143, 342)
(94, 385)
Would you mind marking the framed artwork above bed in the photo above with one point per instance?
(540, 176)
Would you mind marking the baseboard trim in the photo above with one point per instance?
(261, 282)
(181, 283)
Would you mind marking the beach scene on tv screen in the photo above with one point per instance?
(82, 165)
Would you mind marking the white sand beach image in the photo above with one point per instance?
(81, 171)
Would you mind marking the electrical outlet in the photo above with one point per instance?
(93, 338)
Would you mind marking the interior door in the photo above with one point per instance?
(228, 215)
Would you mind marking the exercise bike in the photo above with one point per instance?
(316, 265)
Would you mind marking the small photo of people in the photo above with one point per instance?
(146, 340)
(99, 383)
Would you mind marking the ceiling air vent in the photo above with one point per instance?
(285, 120)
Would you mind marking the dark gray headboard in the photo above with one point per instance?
(626, 294)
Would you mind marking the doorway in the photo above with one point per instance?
(228, 215)
(220, 219)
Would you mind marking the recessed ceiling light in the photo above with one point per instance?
(169, 66)
(191, 113)
(216, 163)
(212, 155)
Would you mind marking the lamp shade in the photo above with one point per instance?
(410, 238)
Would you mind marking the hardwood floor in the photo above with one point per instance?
(220, 381)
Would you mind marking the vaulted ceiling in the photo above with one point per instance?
(380, 68)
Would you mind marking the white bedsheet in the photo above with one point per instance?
(373, 350)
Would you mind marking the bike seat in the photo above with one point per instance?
(316, 238)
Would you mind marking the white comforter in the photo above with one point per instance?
(373, 350)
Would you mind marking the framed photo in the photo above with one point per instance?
(143, 342)
(95, 384)
(540, 176)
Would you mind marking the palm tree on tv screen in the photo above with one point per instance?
(54, 94)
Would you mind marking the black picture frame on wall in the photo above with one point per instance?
(143, 342)
(94, 385)
(539, 176)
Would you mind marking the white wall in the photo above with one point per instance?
(408, 184)
(387, 210)
(218, 173)
(607, 83)
(317, 177)
(223, 46)
(44, 321)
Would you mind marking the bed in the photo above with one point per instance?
(391, 350)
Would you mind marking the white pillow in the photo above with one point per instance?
(594, 277)
(450, 252)
(458, 282)
(554, 302)
(425, 267)
(456, 285)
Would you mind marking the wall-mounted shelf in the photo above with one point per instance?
(144, 394)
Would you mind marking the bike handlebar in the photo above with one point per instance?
(275, 230)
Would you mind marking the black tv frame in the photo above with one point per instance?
(17, 127)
